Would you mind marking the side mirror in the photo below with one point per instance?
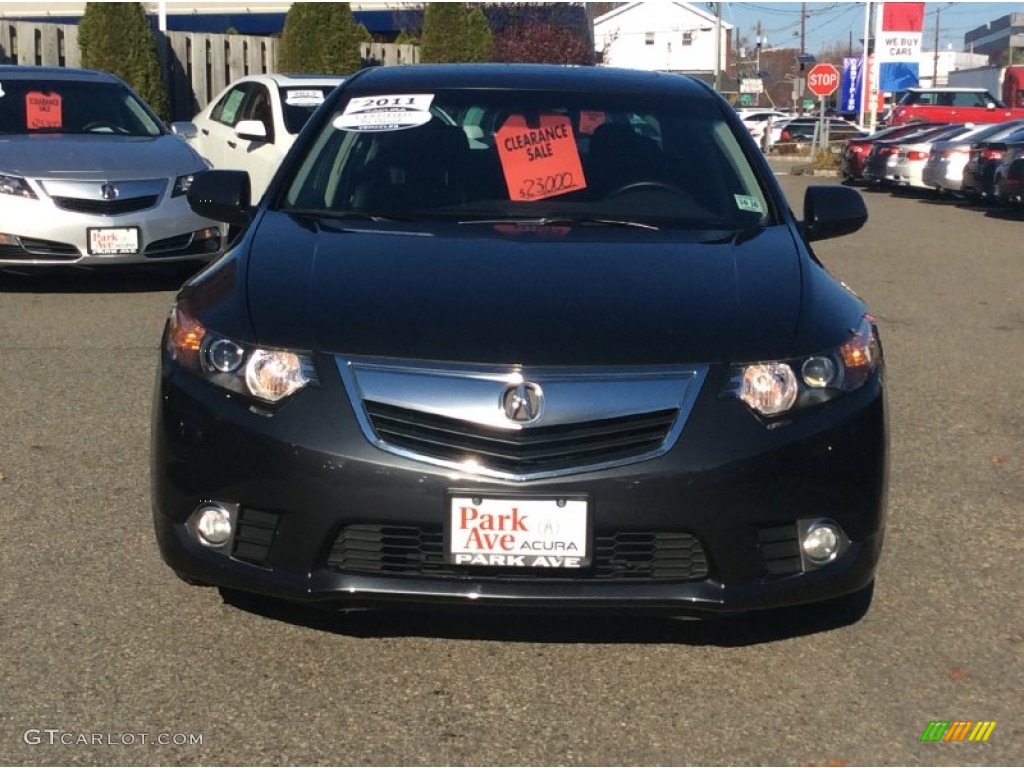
(184, 129)
(831, 211)
(222, 196)
(990, 106)
(251, 130)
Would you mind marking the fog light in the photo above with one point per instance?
(207, 238)
(821, 543)
(213, 524)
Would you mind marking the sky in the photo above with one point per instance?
(829, 23)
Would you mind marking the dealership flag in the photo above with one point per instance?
(898, 45)
(852, 85)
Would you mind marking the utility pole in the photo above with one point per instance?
(803, 48)
(757, 62)
(935, 62)
(718, 47)
(803, 28)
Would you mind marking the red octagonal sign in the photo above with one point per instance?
(823, 80)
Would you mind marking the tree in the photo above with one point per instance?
(321, 38)
(404, 38)
(453, 33)
(779, 65)
(541, 33)
(542, 44)
(1011, 56)
(117, 38)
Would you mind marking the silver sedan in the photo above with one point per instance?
(944, 170)
(89, 175)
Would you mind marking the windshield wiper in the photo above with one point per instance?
(555, 221)
(325, 214)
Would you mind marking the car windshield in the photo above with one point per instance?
(299, 102)
(485, 156)
(41, 106)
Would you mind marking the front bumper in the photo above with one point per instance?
(40, 234)
(306, 475)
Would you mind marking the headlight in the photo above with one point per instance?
(17, 186)
(774, 388)
(269, 375)
(182, 185)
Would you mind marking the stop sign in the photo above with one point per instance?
(823, 80)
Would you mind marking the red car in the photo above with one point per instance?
(951, 105)
(856, 151)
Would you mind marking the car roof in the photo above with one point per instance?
(285, 81)
(14, 72)
(545, 77)
(946, 89)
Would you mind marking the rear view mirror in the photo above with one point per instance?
(251, 130)
(221, 196)
(832, 211)
(184, 129)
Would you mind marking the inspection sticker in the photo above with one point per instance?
(43, 110)
(385, 113)
(295, 98)
(748, 203)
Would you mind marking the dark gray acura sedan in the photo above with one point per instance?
(523, 336)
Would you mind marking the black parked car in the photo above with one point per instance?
(523, 336)
(980, 172)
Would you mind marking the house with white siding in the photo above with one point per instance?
(663, 36)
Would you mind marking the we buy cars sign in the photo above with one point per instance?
(823, 80)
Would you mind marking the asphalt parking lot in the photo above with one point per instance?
(99, 638)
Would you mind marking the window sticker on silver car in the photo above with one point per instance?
(748, 203)
(385, 113)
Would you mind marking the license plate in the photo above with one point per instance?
(518, 532)
(113, 242)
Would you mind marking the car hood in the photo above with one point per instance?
(569, 297)
(111, 158)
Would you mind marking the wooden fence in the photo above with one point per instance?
(197, 66)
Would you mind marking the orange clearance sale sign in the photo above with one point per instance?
(539, 161)
(43, 110)
(590, 121)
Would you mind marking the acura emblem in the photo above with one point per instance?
(109, 192)
(522, 402)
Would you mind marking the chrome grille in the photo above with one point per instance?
(536, 449)
(106, 207)
(457, 415)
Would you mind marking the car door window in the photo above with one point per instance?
(258, 106)
(968, 100)
(228, 109)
